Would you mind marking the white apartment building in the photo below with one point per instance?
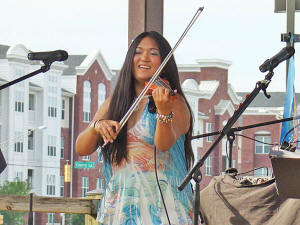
(30, 121)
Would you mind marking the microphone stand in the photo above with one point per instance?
(231, 133)
(43, 69)
(230, 138)
(234, 129)
(194, 172)
(30, 215)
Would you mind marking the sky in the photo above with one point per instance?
(246, 32)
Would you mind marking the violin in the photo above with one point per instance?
(159, 82)
(155, 75)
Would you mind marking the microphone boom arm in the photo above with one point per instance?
(43, 69)
(261, 85)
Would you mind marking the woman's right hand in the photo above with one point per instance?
(108, 129)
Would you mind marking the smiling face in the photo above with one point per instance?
(146, 60)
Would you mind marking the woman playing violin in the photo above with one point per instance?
(132, 195)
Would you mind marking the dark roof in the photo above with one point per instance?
(73, 61)
(276, 100)
(3, 51)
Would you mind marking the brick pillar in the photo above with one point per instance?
(144, 15)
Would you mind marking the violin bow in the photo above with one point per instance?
(155, 75)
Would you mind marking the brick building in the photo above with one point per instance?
(261, 110)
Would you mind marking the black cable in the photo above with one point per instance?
(293, 128)
(259, 142)
(255, 139)
(162, 197)
(289, 145)
(254, 169)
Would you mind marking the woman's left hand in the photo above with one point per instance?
(163, 100)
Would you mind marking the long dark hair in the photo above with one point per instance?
(124, 95)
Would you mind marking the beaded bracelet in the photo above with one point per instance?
(164, 118)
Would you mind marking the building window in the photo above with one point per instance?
(30, 140)
(18, 73)
(262, 148)
(84, 186)
(208, 166)
(200, 131)
(86, 101)
(52, 90)
(52, 78)
(101, 94)
(31, 103)
(63, 108)
(208, 129)
(62, 184)
(18, 146)
(100, 184)
(52, 106)
(51, 218)
(262, 172)
(62, 147)
(50, 184)
(19, 101)
(19, 142)
(51, 146)
(19, 175)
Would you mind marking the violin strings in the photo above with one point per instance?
(160, 82)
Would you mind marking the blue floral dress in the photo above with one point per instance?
(132, 195)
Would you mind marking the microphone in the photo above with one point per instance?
(283, 55)
(48, 57)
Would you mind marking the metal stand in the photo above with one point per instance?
(197, 177)
(230, 138)
(30, 215)
(261, 85)
(231, 134)
(43, 69)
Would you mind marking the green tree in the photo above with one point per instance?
(78, 219)
(75, 219)
(16, 187)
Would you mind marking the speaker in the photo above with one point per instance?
(2, 162)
